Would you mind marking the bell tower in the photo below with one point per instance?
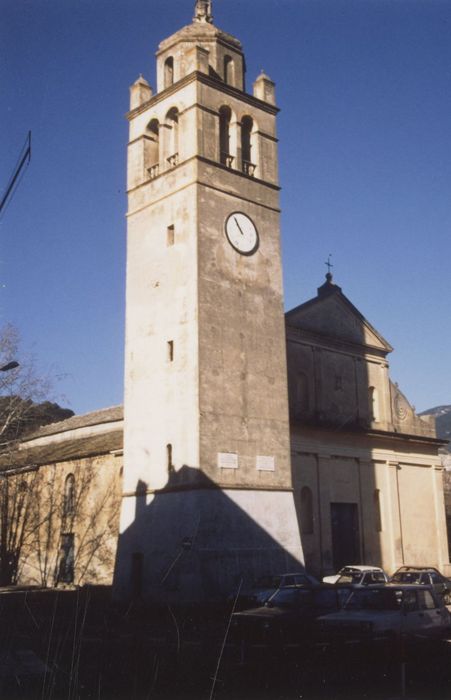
(207, 489)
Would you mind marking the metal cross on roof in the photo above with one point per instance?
(328, 263)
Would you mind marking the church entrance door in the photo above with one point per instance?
(345, 534)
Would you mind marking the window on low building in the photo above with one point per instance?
(66, 564)
(22, 491)
(69, 496)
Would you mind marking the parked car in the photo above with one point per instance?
(362, 578)
(265, 586)
(358, 573)
(288, 616)
(385, 613)
(425, 576)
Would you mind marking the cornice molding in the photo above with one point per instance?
(206, 80)
(206, 487)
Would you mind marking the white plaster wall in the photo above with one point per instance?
(350, 469)
(161, 397)
(418, 517)
(219, 540)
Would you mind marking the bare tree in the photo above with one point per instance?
(75, 530)
(51, 534)
(16, 498)
(23, 407)
(58, 520)
(24, 392)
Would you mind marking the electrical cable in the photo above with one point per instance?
(22, 162)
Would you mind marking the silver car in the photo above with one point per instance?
(358, 573)
(387, 612)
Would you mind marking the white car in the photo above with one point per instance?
(385, 613)
(356, 573)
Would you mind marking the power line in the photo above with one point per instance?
(23, 161)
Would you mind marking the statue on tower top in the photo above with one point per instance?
(202, 11)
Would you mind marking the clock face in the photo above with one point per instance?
(241, 233)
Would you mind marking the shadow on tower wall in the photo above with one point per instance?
(196, 543)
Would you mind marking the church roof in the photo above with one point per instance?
(61, 451)
(333, 315)
(103, 415)
(89, 435)
(199, 31)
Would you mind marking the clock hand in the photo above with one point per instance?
(239, 227)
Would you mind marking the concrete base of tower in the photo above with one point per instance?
(201, 545)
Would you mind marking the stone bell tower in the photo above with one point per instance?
(207, 495)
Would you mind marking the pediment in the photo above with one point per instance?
(331, 314)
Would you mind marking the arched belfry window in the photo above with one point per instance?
(225, 116)
(69, 496)
(229, 70)
(373, 404)
(153, 148)
(248, 157)
(172, 137)
(168, 72)
(306, 511)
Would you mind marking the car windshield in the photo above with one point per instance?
(348, 570)
(374, 599)
(351, 577)
(366, 577)
(407, 577)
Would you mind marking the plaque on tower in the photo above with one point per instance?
(265, 463)
(227, 460)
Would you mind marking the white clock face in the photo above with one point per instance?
(241, 233)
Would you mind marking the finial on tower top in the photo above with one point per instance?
(202, 11)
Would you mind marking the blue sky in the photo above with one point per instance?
(365, 168)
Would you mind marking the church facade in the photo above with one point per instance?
(366, 469)
(252, 441)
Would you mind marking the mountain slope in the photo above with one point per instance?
(442, 416)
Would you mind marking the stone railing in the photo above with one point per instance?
(226, 159)
(154, 171)
(173, 160)
(249, 168)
